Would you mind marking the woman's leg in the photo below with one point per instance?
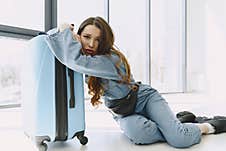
(176, 134)
(139, 129)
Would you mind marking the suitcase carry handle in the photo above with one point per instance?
(72, 97)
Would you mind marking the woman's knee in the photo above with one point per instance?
(140, 130)
(185, 137)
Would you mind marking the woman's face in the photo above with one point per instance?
(90, 39)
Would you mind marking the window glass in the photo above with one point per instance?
(76, 11)
(167, 45)
(23, 13)
(11, 56)
(198, 29)
(130, 26)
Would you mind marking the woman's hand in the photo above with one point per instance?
(64, 26)
(76, 36)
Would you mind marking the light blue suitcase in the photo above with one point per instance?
(52, 97)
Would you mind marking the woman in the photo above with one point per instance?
(142, 113)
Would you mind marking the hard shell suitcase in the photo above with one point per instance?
(53, 97)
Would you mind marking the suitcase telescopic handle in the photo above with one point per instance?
(72, 92)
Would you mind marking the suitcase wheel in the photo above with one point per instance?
(42, 147)
(41, 142)
(83, 139)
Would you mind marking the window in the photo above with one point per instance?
(131, 28)
(77, 11)
(12, 53)
(168, 45)
(155, 28)
(19, 22)
(23, 13)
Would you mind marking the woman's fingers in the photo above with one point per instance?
(62, 27)
(77, 37)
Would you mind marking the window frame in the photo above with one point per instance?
(50, 21)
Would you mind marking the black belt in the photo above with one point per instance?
(126, 105)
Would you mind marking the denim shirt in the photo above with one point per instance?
(67, 50)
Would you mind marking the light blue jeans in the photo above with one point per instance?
(155, 122)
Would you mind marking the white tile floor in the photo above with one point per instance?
(105, 135)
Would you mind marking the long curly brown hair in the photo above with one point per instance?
(105, 47)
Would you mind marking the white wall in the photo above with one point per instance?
(207, 47)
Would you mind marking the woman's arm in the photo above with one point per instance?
(67, 48)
